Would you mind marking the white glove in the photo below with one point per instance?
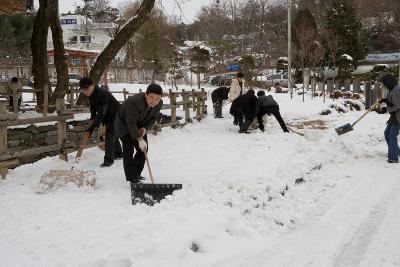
(142, 144)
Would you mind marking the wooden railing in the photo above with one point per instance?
(188, 100)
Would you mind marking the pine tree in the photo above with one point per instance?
(342, 20)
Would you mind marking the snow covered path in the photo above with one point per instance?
(356, 225)
(240, 204)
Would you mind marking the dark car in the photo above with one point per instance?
(221, 80)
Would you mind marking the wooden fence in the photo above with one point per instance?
(189, 101)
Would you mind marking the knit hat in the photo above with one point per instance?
(85, 82)
(260, 93)
(388, 80)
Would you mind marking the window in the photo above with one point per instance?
(75, 61)
(83, 39)
(73, 39)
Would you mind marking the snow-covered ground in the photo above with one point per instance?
(240, 204)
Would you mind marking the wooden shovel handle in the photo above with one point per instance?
(148, 167)
(368, 111)
(84, 141)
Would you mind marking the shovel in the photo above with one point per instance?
(84, 141)
(151, 193)
(294, 131)
(349, 127)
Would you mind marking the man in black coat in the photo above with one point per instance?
(137, 115)
(245, 107)
(267, 105)
(217, 96)
(103, 109)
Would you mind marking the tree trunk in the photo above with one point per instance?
(59, 51)
(39, 51)
(122, 37)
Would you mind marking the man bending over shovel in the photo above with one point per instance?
(103, 108)
(137, 115)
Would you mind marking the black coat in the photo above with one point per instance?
(134, 114)
(245, 104)
(219, 94)
(103, 108)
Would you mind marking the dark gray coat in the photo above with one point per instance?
(393, 102)
(265, 101)
(134, 114)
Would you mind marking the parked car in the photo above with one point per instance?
(221, 80)
(73, 78)
(277, 79)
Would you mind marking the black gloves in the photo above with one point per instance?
(383, 100)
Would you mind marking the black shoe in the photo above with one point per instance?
(392, 161)
(135, 181)
(119, 156)
(141, 177)
(106, 163)
(235, 123)
(244, 131)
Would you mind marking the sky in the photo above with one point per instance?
(190, 7)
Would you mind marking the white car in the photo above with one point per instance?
(73, 78)
(277, 79)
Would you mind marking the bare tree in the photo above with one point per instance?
(39, 51)
(120, 39)
(59, 51)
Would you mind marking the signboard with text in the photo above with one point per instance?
(68, 21)
(383, 57)
(233, 67)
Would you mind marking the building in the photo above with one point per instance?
(75, 33)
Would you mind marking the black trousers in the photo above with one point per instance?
(133, 165)
(274, 110)
(218, 109)
(112, 144)
(11, 100)
(244, 123)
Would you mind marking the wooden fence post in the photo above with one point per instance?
(46, 100)
(124, 90)
(186, 106)
(194, 100)
(3, 137)
(71, 96)
(172, 101)
(313, 86)
(15, 100)
(203, 94)
(198, 106)
(368, 95)
(61, 126)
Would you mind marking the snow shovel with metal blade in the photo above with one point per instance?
(349, 127)
(151, 193)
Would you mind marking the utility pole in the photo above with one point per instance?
(86, 24)
(290, 50)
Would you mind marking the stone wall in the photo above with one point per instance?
(31, 136)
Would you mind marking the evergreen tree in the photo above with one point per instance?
(342, 20)
(247, 65)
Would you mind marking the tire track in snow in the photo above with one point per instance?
(353, 252)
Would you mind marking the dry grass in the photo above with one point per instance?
(311, 124)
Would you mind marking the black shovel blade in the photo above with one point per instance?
(151, 193)
(344, 129)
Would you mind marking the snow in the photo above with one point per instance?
(346, 56)
(240, 204)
